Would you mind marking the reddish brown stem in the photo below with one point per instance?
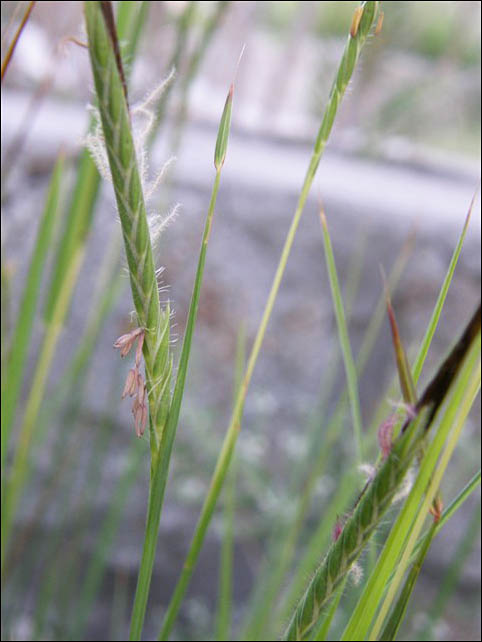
(13, 44)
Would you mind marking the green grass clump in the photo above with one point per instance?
(395, 521)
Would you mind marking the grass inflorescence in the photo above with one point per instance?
(324, 541)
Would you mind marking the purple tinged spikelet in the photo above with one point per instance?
(130, 385)
(126, 341)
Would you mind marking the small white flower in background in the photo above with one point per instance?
(324, 487)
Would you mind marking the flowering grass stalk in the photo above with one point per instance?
(151, 319)
(308, 562)
(68, 263)
(432, 471)
(379, 493)
(116, 126)
(153, 323)
(158, 484)
(356, 531)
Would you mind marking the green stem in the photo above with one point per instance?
(161, 467)
(67, 267)
(345, 71)
(349, 362)
(450, 430)
(161, 458)
(225, 593)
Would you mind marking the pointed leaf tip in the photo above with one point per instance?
(223, 131)
(404, 373)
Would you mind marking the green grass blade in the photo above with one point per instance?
(224, 610)
(398, 613)
(20, 466)
(450, 579)
(26, 314)
(321, 449)
(225, 598)
(66, 271)
(104, 542)
(403, 368)
(77, 225)
(162, 469)
(183, 363)
(192, 67)
(345, 71)
(462, 496)
(431, 472)
(283, 538)
(452, 574)
(184, 23)
(448, 513)
(131, 18)
(5, 320)
(432, 326)
(360, 621)
(377, 496)
(350, 369)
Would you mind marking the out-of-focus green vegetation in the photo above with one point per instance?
(422, 45)
(431, 29)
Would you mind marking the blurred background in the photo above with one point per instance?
(396, 181)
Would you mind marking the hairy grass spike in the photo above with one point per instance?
(160, 474)
(379, 493)
(121, 153)
(357, 530)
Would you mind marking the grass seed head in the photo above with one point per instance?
(126, 341)
(355, 23)
(130, 384)
(356, 573)
(385, 433)
(337, 530)
(140, 343)
(437, 508)
(223, 131)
